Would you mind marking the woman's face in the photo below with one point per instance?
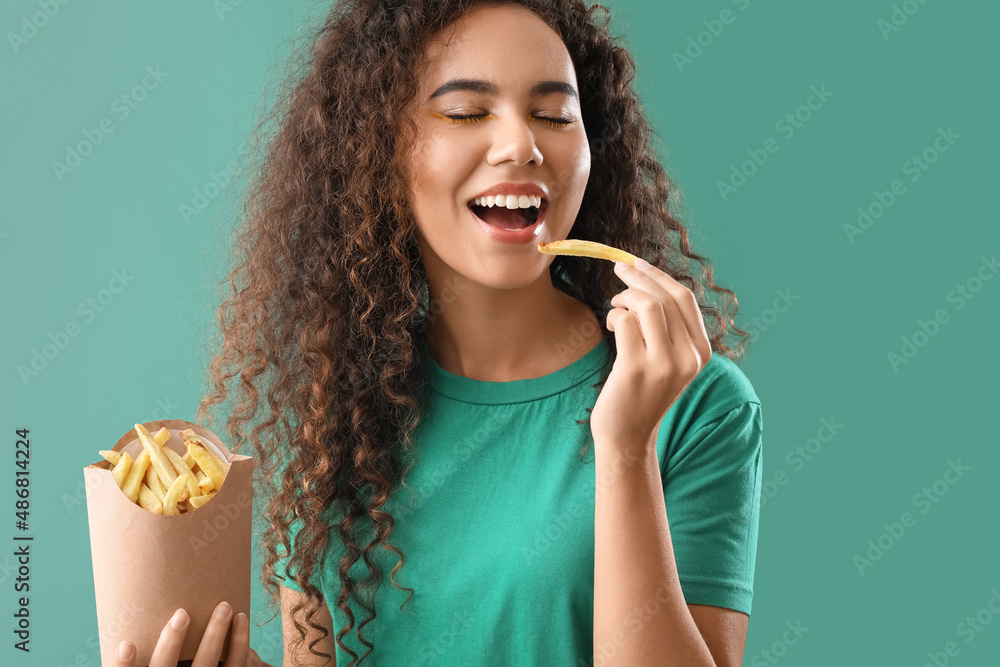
(506, 67)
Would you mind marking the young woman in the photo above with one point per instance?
(555, 470)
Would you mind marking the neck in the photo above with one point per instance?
(501, 335)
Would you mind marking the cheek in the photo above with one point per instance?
(441, 163)
(572, 168)
(438, 143)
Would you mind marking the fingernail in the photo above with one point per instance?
(640, 263)
(222, 610)
(179, 619)
(621, 266)
(125, 650)
(241, 620)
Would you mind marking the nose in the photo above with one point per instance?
(514, 140)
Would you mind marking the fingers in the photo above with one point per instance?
(215, 636)
(679, 305)
(125, 657)
(168, 646)
(688, 304)
(657, 328)
(239, 644)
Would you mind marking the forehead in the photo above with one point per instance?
(508, 44)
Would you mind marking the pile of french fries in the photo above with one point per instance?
(161, 480)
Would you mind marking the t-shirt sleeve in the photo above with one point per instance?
(712, 491)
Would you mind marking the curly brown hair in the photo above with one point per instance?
(328, 293)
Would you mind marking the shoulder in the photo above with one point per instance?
(720, 387)
(717, 391)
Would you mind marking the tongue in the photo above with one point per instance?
(500, 216)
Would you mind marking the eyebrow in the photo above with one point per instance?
(490, 88)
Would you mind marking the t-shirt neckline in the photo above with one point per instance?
(468, 390)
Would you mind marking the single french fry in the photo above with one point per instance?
(162, 436)
(149, 501)
(190, 462)
(200, 501)
(111, 456)
(156, 456)
(204, 483)
(184, 471)
(121, 469)
(586, 249)
(223, 464)
(205, 461)
(189, 434)
(173, 496)
(135, 476)
(154, 484)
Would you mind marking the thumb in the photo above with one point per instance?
(628, 336)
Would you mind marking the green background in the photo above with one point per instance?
(825, 356)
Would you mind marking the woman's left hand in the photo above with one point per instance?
(662, 345)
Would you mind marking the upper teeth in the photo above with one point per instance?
(510, 201)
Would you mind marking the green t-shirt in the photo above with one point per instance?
(497, 526)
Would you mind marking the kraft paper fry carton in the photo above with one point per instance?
(146, 565)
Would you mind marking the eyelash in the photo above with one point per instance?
(474, 118)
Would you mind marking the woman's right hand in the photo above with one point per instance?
(168, 646)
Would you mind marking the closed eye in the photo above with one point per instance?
(475, 118)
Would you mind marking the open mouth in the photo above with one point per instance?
(511, 219)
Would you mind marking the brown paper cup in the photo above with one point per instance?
(146, 566)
